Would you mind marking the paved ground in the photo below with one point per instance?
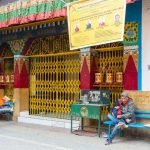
(18, 136)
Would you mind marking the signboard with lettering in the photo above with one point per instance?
(95, 22)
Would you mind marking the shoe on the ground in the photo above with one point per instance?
(104, 135)
(108, 142)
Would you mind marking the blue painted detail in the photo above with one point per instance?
(136, 125)
(134, 14)
(142, 114)
(109, 122)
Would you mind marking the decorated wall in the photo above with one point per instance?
(132, 49)
(20, 12)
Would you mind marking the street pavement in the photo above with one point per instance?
(20, 136)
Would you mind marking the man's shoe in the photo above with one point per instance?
(108, 142)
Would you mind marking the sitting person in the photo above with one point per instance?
(116, 110)
(128, 116)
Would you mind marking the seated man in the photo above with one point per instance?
(127, 109)
(116, 110)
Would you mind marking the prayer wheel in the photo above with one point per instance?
(119, 77)
(12, 78)
(98, 78)
(7, 78)
(1, 78)
(109, 78)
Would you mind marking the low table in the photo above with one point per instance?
(91, 111)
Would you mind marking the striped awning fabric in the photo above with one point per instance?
(130, 1)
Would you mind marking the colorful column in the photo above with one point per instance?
(87, 68)
(1, 77)
(87, 75)
(21, 84)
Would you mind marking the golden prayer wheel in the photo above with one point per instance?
(12, 78)
(7, 78)
(1, 78)
(98, 78)
(119, 77)
(109, 78)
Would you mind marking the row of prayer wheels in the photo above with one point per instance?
(6, 78)
(109, 78)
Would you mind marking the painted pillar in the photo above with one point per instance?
(21, 84)
(87, 69)
(87, 75)
(133, 47)
(1, 77)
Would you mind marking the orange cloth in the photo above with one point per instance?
(1, 101)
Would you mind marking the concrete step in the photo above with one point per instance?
(53, 122)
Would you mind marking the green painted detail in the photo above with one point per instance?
(91, 111)
(33, 10)
(41, 7)
(131, 34)
(57, 5)
(17, 46)
(3, 17)
(24, 12)
(12, 14)
(48, 7)
(85, 111)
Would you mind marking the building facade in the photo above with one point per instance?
(44, 77)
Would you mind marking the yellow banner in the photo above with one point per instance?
(95, 22)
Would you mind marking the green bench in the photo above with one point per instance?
(140, 114)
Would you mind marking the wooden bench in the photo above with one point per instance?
(140, 114)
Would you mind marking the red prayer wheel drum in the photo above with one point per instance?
(109, 78)
(7, 78)
(119, 77)
(11, 78)
(98, 78)
(1, 78)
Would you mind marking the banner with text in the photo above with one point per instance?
(95, 22)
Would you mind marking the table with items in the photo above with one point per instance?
(90, 107)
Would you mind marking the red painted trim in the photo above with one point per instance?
(48, 15)
(84, 76)
(40, 16)
(130, 1)
(130, 75)
(60, 13)
(26, 47)
(21, 80)
(32, 17)
(13, 21)
(3, 24)
(24, 19)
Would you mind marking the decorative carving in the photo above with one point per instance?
(17, 46)
(131, 34)
(5, 50)
(49, 45)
